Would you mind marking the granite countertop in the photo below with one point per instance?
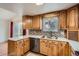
(22, 37)
(35, 36)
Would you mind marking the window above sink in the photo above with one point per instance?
(50, 24)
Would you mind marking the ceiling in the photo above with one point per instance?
(5, 14)
(33, 9)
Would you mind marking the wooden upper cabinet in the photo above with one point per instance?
(36, 22)
(63, 19)
(72, 18)
(32, 22)
(27, 22)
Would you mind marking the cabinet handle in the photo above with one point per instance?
(49, 46)
(16, 47)
(23, 45)
(46, 45)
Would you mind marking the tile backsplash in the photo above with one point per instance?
(48, 34)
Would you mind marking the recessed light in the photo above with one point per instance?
(39, 3)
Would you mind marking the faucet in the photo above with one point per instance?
(56, 37)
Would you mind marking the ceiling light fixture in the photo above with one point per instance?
(39, 3)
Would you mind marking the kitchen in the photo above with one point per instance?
(44, 30)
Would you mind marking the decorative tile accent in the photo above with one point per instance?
(48, 34)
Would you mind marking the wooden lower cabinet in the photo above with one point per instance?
(12, 47)
(43, 47)
(54, 48)
(26, 45)
(47, 47)
(17, 48)
(64, 49)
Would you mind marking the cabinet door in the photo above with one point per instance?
(63, 21)
(43, 47)
(27, 22)
(12, 48)
(49, 48)
(20, 47)
(26, 45)
(62, 49)
(67, 49)
(72, 18)
(36, 22)
(73, 35)
(53, 48)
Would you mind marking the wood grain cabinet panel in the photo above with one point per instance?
(15, 48)
(26, 45)
(73, 23)
(63, 49)
(63, 19)
(67, 49)
(18, 48)
(43, 47)
(72, 18)
(54, 48)
(27, 22)
(11, 48)
(73, 35)
(36, 22)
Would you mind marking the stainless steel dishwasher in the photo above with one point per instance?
(35, 44)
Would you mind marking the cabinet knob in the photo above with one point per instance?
(46, 45)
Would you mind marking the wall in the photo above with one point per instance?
(4, 30)
(17, 29)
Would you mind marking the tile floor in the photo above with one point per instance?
(33, 54)
(3, 49)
